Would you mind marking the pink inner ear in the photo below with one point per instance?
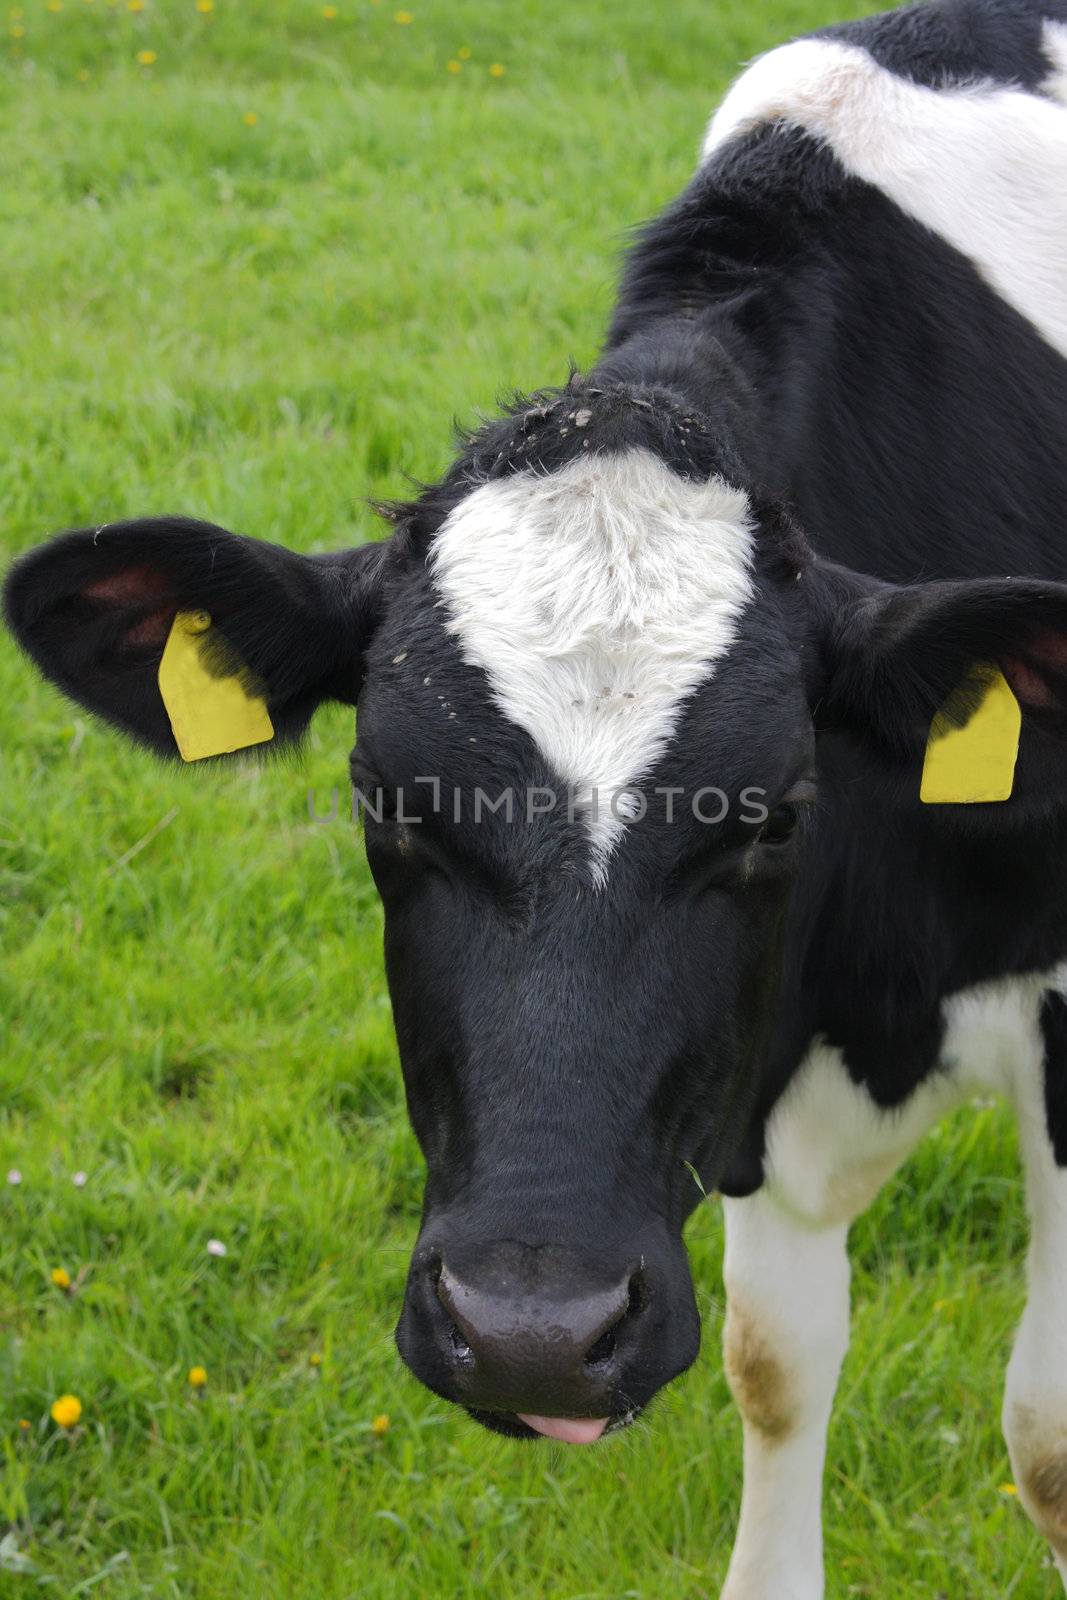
(152, 629)
(133, 586)
(1028, 686)
(1050, 649)
(131, 589)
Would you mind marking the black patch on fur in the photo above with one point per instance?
(1054, 1031)
(954, 42)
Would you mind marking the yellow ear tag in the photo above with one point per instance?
(211, 711)
(973, 743)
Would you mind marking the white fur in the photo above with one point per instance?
(793, 1282)
(1054, 41)
(596, 599)
(829, 1150)
(982, 165)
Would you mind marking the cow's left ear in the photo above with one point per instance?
(956, 679)
(193, 640)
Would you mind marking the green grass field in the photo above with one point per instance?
(256, 257)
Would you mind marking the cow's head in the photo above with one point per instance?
(596, 674)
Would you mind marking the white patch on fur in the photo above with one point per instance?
(1054, 43)
(830, 1148)
(596, 599)
(982, 165)
(787, 1289)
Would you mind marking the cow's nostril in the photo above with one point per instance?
(459, 1343)
(603, 1350)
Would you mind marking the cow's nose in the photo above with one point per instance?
(525, 1332)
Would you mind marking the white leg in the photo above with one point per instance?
(785, 1338)
(1035, 1399)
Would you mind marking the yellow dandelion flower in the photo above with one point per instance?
(60, 1275)
(454, 66)
(17, 32)
(205, 7)
(197, 1377)
(24, 1426)
(55, 5)
(146, 58)
(403, 17)
(250, 119)
(314, 1359)
(464, 52)
(83, 74)
(380, 1425)
(329, 12)
(67, 1410)
(497, 70)
(134, 5)
(1008, 1488)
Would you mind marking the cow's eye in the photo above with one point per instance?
(784, 818)
(376, 802)
(781, 824)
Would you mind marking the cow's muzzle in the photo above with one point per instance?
(533, 1340)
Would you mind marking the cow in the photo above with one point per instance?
(712, 755)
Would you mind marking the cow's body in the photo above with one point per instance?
(858, 308)
(878, 235)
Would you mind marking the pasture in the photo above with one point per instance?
(258, 253)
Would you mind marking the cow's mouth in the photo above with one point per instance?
(511, 1425)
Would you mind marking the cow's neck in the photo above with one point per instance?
(893, 916)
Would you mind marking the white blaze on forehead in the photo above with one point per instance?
(982, 165)
(596, 599)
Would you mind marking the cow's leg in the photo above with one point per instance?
(1035, 1400)
(829, 1149)
(785, 1338)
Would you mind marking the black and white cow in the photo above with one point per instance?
(715, 928)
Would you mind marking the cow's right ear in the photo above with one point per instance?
(267, 628)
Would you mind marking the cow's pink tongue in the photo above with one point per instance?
(568, 1430)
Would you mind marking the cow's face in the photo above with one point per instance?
(586, 665)
(585, 755)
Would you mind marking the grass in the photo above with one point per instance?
(254, 279)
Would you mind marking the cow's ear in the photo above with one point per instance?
(255, 636)
(980, 664)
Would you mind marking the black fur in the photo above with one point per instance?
(1054, 1029)
(957, 41)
